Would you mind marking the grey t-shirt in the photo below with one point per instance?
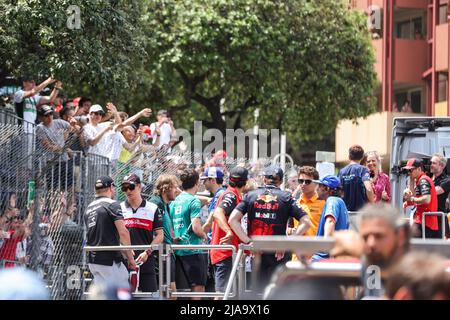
(55, 134)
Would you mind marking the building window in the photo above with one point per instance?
(410, 29)
(408, 101)
(442, 87)
(443, 12)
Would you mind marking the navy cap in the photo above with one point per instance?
(104, 182)
(273, 171)
(329, 181)
(213, 173)
(238, 174)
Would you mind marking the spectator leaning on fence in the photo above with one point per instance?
(167, 130)
(382, 240)
(185, 210)
(95, 131)
(165, 191)
(268, 209)
(27, 99)
(142, 219)
(105, 227)
(83, 107)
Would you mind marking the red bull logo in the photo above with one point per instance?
(267, 198)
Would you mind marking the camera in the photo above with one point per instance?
(83, 120)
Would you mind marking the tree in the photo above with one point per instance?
(101, 57)
(305, 64)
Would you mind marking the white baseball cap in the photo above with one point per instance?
(96, 108)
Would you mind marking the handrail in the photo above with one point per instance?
(159, 247)
(175, 247)
(311, 245)
(236, 263)
(438, 213)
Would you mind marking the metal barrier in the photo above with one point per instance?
(164, 289)
(159, 247)
(311, 245)
(443, 217)
(171, 248)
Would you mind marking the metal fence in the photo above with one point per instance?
(50, 192)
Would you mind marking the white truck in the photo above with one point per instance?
(418, 137)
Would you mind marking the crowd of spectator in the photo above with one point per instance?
(238, 202)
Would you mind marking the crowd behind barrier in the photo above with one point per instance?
(48, 171)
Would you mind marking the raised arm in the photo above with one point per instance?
(143, 113)
(38, 88)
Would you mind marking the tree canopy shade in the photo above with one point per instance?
(98, 58)
(305, 64)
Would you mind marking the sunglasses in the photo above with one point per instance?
(97, 113)
(303, 181)
(127, 187)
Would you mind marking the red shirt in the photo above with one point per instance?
(425, 186)
(8, 250)
(228, 200)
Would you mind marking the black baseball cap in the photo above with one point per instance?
(131, 178)
(104, 182)
(45, 110)
(273, 171)
(238, 174)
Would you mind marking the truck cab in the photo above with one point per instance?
(415, 138)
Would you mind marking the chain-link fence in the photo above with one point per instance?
(44, 194)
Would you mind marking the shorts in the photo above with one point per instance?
(222, 271)
(429, 234)
(193, 268)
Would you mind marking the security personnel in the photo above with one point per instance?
(105, 227)
(142, 219)
(268, 209)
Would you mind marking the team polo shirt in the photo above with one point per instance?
(141, 223)
(227, 201)
(269, 209)
(100, 217)
(167, 221)
(425, 186)
(313, 207)
(183, 209)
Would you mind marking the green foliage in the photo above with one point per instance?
(305, 64)
(100, 57)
